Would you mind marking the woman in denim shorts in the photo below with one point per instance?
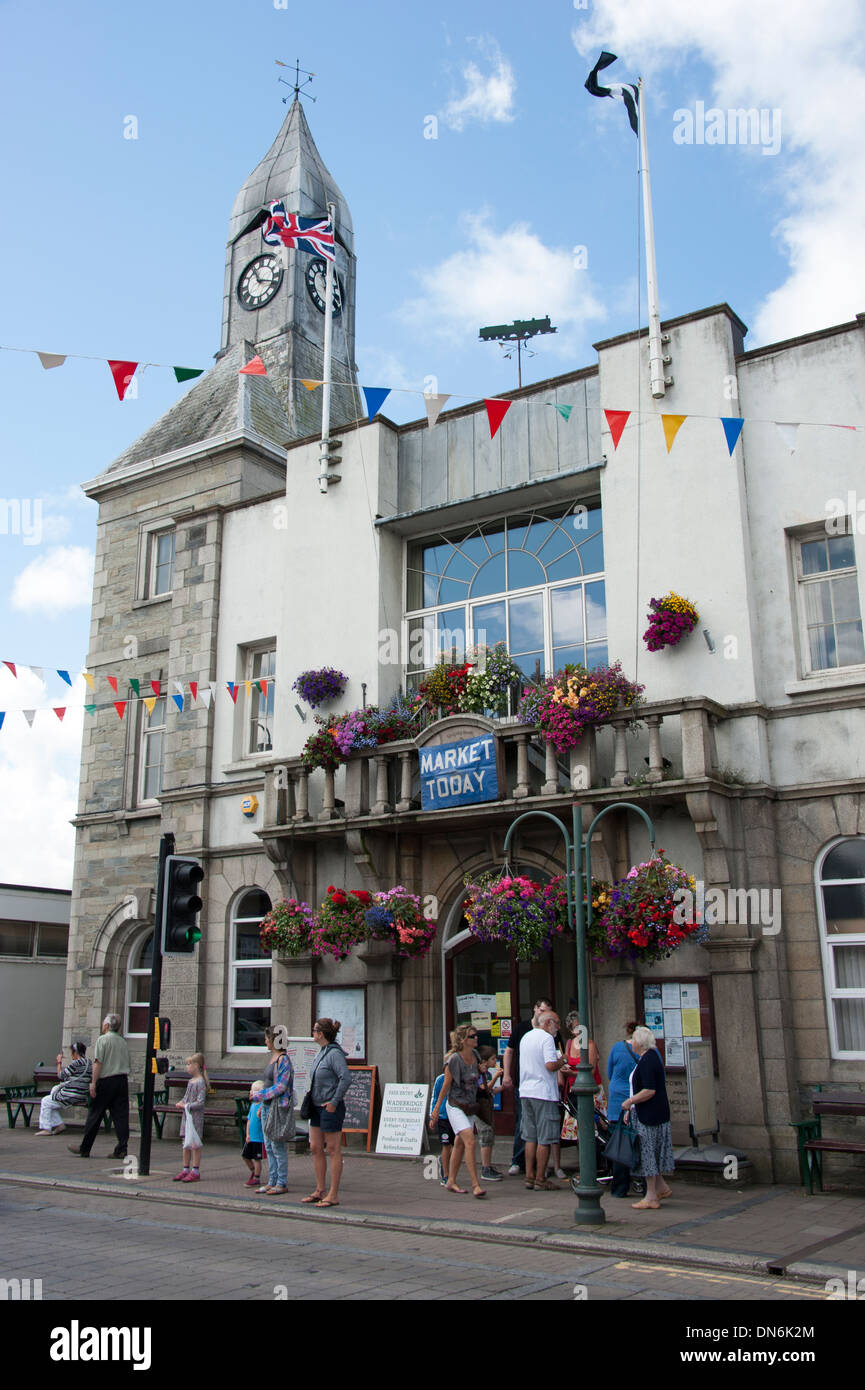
(329, 1082)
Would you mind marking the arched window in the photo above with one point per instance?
(138, 987)
(841, 910)
(250, 972)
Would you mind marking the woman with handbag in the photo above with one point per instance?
(277, 1114)
(460, 1090)
(648, 1110)
(324, 1107)
(620, 1064)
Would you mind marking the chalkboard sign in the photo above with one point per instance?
(359, 1103)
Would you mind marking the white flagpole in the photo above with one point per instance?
(328, 339)
(656, 352)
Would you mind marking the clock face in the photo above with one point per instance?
(316, 283)
(259, 282)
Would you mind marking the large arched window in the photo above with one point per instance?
(250, 972)
(841, 909)
(138, 987)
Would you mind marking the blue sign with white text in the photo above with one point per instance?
(457, 774)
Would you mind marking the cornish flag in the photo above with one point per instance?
(311, 234)
(622, 91)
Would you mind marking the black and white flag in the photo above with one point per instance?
(622, 91)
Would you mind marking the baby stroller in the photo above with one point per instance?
(602, 1134)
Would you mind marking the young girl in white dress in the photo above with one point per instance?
(192, 1128)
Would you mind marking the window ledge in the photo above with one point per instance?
(854, 676)
(157, 598)
(254, 763)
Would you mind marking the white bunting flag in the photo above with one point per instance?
(51, 359)
(788, 433)
(29, 715)
(434, 407)
(37, 671)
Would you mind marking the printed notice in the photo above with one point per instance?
(651, 992)
(467, 1003)
(670, 996)
(655, 1021)
(675, 1051)
(503, 1004)
(482, 1021)
(691, 1023)
(672, 1023)
(403, 1116)
(690, 996)
(506, 1027)
(496, 1028)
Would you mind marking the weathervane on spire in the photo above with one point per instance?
(297, 84)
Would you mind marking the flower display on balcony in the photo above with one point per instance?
(287, 928)
(341, 735)
(397, 916)
(670, 619)
(445, 685)
(321, 748)
(565, 704)
(641, 920)
(487, 686)
(340, 923)
(513, 910)
(556, 894)
(316, 687)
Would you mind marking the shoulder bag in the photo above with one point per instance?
(623, 1146)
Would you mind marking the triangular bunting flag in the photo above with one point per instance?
(375, 397)
(11, 665)
(156, 687)
(207, 696)
(135, 685)
(616, 421)
(29, 715)
(248, 685)
(89, 679)
(262, 685)
(732, 429)
(90, 709)
(232, 690)
(120, 706)
(254, 368)
(64, 676)
(178, 700)
(788, 433)
(38, 672)
(177, 687)
(2, 717)
(149, 702)
(112, 681)
(310, 385)
(193, 689)
(51, 359)
(59, 710)
(564, 410)
(187, 373)
(672, 424)
(123, 372)
(496, 412)
(434, 406)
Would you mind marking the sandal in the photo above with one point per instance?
(547, 1186)
(313, 1197)
(276, 1191)
(480, 1193)
(530, 1185)
(463, 1191)
(645, 1206)
(327, 1202)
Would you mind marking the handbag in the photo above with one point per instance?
(279, 1124)
(306, 1106)
(623, 1146)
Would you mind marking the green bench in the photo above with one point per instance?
(159, 1099)
(811, 1144)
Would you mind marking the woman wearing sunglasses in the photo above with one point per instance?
(460, 1090)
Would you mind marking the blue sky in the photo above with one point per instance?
(115, 247)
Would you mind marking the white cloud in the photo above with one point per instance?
(791, 56)
(39, 775)
(55, 582)
(488, 95)
(500, 276)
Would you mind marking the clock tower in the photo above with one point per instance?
(274, 297)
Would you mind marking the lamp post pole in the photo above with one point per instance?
(589, 1211)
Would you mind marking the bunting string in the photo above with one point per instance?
(200, 693)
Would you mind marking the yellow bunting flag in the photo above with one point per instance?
(672, 424)
(150, 702)
(310, 385)
(89, 679)
(248, 685)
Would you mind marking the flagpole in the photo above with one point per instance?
(656, 352)
(328, 339)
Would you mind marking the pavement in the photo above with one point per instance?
(766, 1229)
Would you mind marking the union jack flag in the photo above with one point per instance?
(311, 234)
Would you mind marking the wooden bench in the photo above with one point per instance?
(812, 1145)
(219, 1082)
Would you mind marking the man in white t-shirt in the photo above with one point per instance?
(539, 1098)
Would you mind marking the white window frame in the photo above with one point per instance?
(147, 729)
(241, 743)
(801, 582)
(135, 972)
(235, 963)
(148, 549)
(828, 945)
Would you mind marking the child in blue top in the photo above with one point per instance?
(251, 1153)
(445, 1130)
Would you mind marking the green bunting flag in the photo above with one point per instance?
(187, 373)
(564, 410)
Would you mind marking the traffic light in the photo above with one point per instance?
(181, 905)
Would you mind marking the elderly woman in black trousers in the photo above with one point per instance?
(648, 1110)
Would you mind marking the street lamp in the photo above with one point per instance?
(589, 1211)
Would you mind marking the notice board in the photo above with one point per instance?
(360, 1102)
(403, 1119)
(701, 1087)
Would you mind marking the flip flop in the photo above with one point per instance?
(313, 1197)
(480, 1194)
(645, 1206)
(463, 1191)
(327, 1202)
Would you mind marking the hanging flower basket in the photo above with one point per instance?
(315, 687)
(670, 619)
(488, 683)
(321, 748)
(339, 924)
(445, 686)
(556, 894)
(513, 910)
(287, 928)
(641, 919)
(564, 705)
(397, 916)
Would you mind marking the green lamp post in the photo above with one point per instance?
(589, 1211)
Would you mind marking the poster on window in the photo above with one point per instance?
(349, 1006)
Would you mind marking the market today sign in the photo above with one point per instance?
(458, 774)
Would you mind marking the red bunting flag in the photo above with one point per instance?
(123, 372)
(156, 687)
(59, 710)
(232, 690)
(616, 421)
(193, 689)
(262, 685)
(254, 368)
(11, 665)
(120, 706)
(496, 412)
(112, 681)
